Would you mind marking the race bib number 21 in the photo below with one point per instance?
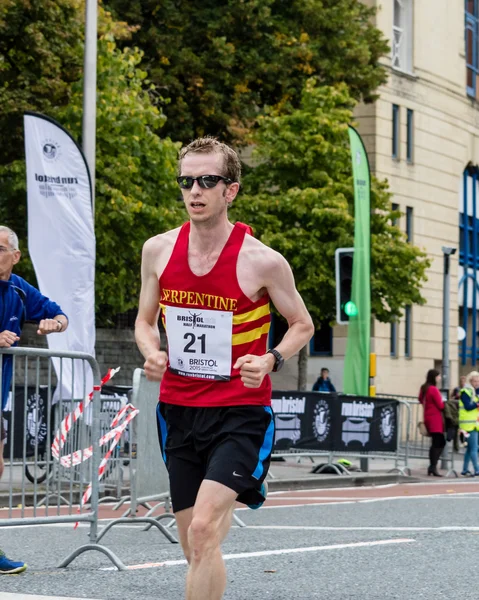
(199, 342)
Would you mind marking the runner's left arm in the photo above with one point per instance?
(279, 282)
(287, 300)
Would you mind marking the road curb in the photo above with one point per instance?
(339, 481)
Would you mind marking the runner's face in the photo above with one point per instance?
(8, 257)
(204, 205)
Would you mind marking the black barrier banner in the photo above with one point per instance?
(366, 424)
(35, 428)
(303, 420)
(332, 422)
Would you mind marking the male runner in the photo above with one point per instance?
(213, 283)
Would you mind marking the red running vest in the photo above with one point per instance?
(218, 290)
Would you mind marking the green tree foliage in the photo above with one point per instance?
(221, 61)
(300, 200)
(136, 169)
(136, 193)
(41, 54)
(41, 50)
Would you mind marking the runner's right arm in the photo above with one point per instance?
(147, 334)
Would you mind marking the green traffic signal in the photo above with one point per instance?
(351, 309)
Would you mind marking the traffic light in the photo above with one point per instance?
(345, 308)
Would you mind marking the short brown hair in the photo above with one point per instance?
(210, 145)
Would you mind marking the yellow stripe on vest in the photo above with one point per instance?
(252, 315)
(250, 336)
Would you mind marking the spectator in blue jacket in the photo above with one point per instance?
(323, 382)
(19, 301)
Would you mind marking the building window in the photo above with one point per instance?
(394, 340)
(469, 271)
(410, 134)
(394, 207)
(402, 35)
(407, 333)
(395, 146)
(409, 229)
(322, 341)
(468, 254)
(471, 36)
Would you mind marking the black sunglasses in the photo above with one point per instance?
(204, 181)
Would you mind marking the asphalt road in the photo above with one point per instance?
(393, 542)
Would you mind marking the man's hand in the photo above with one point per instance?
(8, 338)
(254, 368)
(47, 326)
(155, 365)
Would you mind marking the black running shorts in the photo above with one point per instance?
(231, 445)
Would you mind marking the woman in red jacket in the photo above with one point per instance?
(430, 397)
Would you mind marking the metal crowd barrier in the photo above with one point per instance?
(149, 478)
(117, 475)
(299, 448)
(413, 445)
(36, 489)
(410, 444)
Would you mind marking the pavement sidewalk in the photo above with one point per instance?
(291, 474)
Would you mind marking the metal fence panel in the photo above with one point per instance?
(36, 487)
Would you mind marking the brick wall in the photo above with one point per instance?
(114, 348)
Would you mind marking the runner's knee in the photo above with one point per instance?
(202, 536)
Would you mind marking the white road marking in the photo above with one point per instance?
(449, 481)
(171, 563)
(298, 505)
(8, 596)
(323, 501)
(335, 489)
(376, 499)
(322, 498)
(330, 528)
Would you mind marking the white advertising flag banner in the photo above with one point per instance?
(61, 241)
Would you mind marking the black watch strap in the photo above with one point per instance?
(278, 359)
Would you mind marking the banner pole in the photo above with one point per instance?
(89, 91)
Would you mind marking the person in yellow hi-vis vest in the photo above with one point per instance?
(468, 421)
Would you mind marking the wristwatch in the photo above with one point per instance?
(278, 360)
(61, 325)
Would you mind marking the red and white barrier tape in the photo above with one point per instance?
(72, 418)
(114, 434)
(79, 456)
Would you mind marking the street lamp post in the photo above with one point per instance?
(447, 252)
(89, 90)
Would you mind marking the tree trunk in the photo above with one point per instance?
(302, 368)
